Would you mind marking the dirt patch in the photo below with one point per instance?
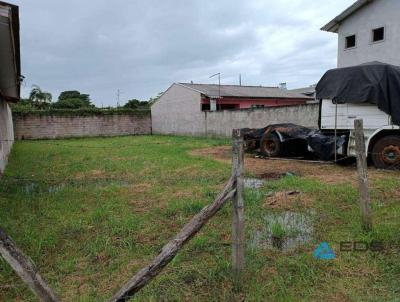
(287, 200)
(141, 188)
(327, 173)
(220, 153)
(139, 206)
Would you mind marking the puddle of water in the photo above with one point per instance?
(257, 183)
(31, 188)
(284, 231)
(253, 183)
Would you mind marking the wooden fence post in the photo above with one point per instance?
(238, 232)
(365, 200)
(25, 269)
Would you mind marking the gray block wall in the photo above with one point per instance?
(6, 133)
(221, 123)
(59, 126)
(182, 118)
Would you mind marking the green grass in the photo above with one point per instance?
(92, 212)
(278, 230)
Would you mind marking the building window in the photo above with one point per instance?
(350, 41)
(205, 107)
(378, 34)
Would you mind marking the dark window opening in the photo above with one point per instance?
(227, 106)
(351, 41)
(378, 34)
(205, 107)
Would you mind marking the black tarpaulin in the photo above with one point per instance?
(322, 145)
(375, 83)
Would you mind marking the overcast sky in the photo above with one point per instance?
(142, 46)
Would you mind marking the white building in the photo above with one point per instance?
(10, 71)
(369, 30)
(182, 109)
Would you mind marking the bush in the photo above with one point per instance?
(135, 104)
(79, 112)
(75, 103)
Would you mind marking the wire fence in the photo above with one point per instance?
(171, 247)
(25, 268)
(72, 145)
(341, 159)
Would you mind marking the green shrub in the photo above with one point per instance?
(25, 111)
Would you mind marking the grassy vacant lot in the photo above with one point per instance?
(91, 212)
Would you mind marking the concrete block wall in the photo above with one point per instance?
(34, 126)
(6, 133)
(221, 123)
(191, 121)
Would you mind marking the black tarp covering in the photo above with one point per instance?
(375, 83)
(322, 145)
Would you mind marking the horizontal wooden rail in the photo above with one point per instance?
(168, 252)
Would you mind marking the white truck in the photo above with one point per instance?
(345, 94)
(382, 137)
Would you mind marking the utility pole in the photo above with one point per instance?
(219, 84)
(240, 79)
(118, 96)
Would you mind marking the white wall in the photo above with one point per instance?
(178, 111)
(377, 14)
(182, 119)
(6, 134)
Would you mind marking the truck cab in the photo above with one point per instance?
(382, 137)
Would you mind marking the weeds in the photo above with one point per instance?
(100, 209)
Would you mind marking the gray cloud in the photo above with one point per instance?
(141, 47)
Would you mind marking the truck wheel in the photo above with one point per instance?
(270, 145)
(386, 153)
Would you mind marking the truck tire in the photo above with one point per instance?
(270, 145)
(386, 153)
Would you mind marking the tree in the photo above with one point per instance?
(73, 94)
(73, 99)
(39, 97)
(155, 99)
(136, 104)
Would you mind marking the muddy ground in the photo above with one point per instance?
(273, 168)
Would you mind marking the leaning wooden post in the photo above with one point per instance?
(365, 199)
(238, 234)
(25, 269)
(168, 252)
